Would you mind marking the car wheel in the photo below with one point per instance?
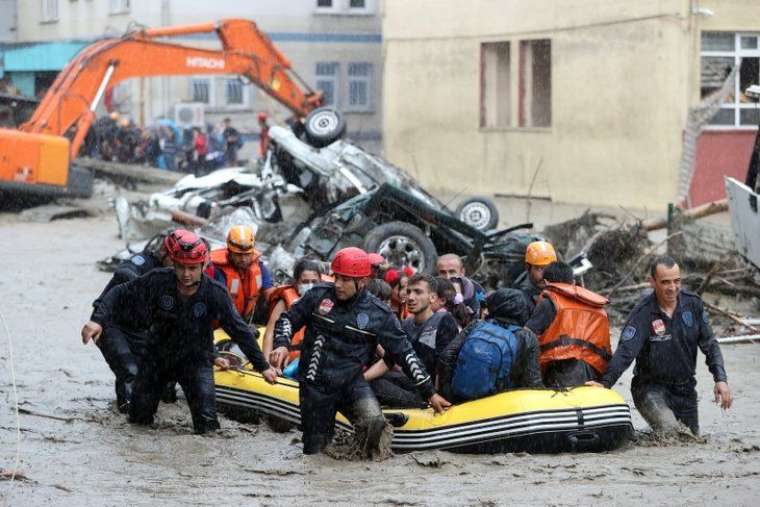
(402, 244)
(324, 126)
(479, 212)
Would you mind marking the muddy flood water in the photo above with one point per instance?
(76, 451)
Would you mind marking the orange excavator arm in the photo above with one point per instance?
(246, 51)
(39, 153)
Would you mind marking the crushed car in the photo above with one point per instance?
(310, 198)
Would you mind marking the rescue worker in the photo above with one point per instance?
(306, 274)
(344, 324)
(122, 343)
(572, 328)
(451, 266)
(178, 306)
(239, 268)
(507, 309)
(430, 333)
(662, 334)
(538, 255)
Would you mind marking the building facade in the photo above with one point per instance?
(580, 101)
(334, 45)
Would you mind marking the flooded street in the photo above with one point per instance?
(77, 451)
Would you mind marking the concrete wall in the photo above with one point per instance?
(623, 76)
(305, 34)
(7, 20)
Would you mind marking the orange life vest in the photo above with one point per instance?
(289, 295)
(581, 329)
(243, 289)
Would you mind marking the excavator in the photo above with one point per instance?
(36, 158)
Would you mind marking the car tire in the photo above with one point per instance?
(478, 212)
(402, 244)
(324, 126)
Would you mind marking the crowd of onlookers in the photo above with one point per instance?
(164, 146)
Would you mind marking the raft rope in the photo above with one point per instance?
(15, 399)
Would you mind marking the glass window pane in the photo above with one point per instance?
(748, 76)
(357, 4)
(718, 41)
(327, 68)
(201, 91)
(723, 117)
(749, 42)
(328, 89)
(324, 3)
(714, 70)
(358, 69)
(749, 117)
(357, 93)
(234, 91)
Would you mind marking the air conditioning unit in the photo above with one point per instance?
(190, 114)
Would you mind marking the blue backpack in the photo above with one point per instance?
(485, 361)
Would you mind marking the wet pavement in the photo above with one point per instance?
(76, 451)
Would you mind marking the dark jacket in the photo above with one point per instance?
(530, 290)
(665, 349)
(132, 268)
(525, 370)
(431, 338)
(341, 338)
(180, 328)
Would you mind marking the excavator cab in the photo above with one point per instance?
(27, 158)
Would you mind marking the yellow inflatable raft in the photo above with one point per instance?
(531, 420)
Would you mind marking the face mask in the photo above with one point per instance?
(303, 288)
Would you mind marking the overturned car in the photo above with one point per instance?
(312, 201)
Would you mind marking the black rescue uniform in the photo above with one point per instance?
(122, 343)
(429, 339)
(179, 340)
(665, 350)
(340, 341)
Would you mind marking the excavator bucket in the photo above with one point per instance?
(30, 160)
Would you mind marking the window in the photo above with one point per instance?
(327, 82)
(119, 7)
(359, 76)
(345, 7)
(535, 83)
(721, 52)
(494, 84)
(234, 92)
(49, 11)
(201, 90)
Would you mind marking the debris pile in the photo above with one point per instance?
(621, 251)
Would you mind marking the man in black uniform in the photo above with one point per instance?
(344, 325)
(662, 334)
(430, 332)
(122, 343)
(177, 306)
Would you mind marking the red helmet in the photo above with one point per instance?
(184, 247)
(262, 116)
(351, 262)
(375, 259)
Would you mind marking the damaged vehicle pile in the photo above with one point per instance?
(314, 193)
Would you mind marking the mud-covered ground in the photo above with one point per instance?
(76, 451)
